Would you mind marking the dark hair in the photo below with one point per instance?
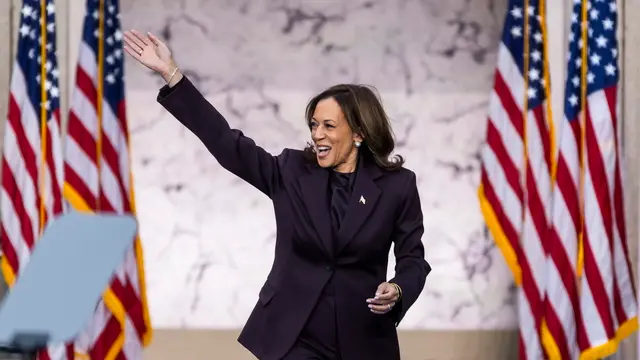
(366, 117)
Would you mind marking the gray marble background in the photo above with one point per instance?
(209, 237)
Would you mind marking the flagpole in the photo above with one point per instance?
(43, 111)
(100, 96)
(525, 111)
(582, 148)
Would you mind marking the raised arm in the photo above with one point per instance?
(234, 151)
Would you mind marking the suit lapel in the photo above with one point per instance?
(314, 192)
(363, 199)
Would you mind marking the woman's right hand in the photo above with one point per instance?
(150, 52)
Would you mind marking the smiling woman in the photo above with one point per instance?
(344, 117)
(339, 206)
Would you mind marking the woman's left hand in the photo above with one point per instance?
(384, 300)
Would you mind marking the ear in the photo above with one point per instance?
(357, 137)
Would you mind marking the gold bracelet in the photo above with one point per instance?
(172, 75)
(398, 289)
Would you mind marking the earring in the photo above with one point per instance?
(357, 144)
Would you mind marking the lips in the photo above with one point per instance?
(322, 150)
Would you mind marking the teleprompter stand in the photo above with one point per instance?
(57, 292)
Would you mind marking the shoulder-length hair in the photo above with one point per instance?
(366, 117)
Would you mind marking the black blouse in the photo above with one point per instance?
(341, 187)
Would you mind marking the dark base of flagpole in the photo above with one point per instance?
(12, 353)
(25, 346)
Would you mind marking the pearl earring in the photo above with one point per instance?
(357, 143)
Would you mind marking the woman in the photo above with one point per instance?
(339, 205)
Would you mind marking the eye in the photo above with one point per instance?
(313, 125)
(330, 126)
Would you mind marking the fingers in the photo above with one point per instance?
(141, 37)
(136, 55)
(154, 39)
(380, 306)
(386, 291)
(384, 300)
(381, 309)
(132, 40)
(380, 301)
(389, 295)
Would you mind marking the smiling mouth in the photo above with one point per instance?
(322, 151)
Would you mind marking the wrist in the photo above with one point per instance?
(168, 71)
(398, 290)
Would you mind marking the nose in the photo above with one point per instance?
(317, 134)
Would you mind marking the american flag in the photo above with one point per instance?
(28, 186)
(98, 178)
(591, 301)
(515, 185)
(32, 155)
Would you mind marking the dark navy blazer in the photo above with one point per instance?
(384, 208)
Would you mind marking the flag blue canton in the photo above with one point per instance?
(602, 52)
(113, 62)
(29, 55)
(513, 39)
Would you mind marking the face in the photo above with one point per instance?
(333, 138)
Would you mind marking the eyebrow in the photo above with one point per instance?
(314, 119)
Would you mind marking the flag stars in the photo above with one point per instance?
(55, 92)
(110, 78)
(531, 93)
(516, 31)
(26, 11)
(536, 56)
(537, 37)
(610, 70)
(573, 100)
(51, 8)
(575, 81)
(601, 41)
(595, 59)
(534, 74)
(24, 30)
(516, 12)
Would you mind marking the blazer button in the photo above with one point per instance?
(329, 267)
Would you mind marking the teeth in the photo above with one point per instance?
(323, 148)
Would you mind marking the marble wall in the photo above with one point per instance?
(209, 237)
